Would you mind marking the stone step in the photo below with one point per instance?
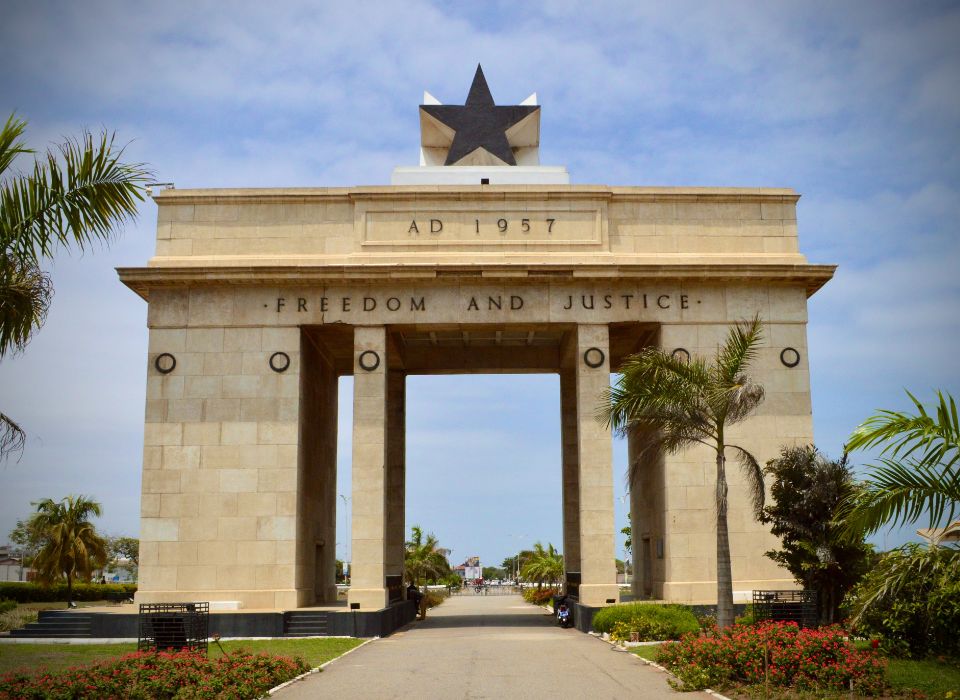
(307, 629)
(49, 632)
(306, 624)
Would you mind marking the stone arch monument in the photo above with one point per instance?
(478, 260)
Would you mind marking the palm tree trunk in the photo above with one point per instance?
(69, 588)
(724, 574)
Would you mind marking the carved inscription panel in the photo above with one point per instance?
(505, 225)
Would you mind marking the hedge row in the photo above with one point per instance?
(57, 592)
(649, 621)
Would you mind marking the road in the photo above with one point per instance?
(486, 647)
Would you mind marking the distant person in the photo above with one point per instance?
(419, 600)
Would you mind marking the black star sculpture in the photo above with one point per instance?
(479, 123)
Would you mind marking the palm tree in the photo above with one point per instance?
(919, 473)
(72, 546)
(544, 565)
(676, 404)
(76, 194)
(423, 558)
(919, 470)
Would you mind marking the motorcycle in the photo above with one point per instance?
(564, 618)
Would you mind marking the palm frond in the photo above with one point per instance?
(741, 399)
(11, 143)
(901, 433)
(25, 295)
(654, 386)
(75, 195)
(738, 351)
(755, 483)
(900, 493)
(12, 437)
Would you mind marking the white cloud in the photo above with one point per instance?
(851, 104)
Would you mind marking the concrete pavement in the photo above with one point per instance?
(486, 647)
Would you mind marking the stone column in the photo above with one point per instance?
(637, 515)
(598, 571)
(571, 465)
(396, 471)
(367, 585)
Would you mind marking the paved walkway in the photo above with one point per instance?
(486, 647)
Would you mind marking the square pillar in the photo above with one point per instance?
(396, 472)
(598, 572)
(368, 568)
(570, 457)
(317, 481)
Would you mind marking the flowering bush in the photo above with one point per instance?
(182, 675)
(539, 596)
(806, 660)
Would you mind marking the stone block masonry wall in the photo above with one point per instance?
(239, 469)
(219, 502)
(682, 486)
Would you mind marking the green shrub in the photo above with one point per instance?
(7, 605)
(434, 598)
(35, 593)
(539, 596)
(650, 621)
(16, 618)
(748, 617)
(923, 617)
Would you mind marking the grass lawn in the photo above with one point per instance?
(53, 657)
(933, 678)
(648, 651)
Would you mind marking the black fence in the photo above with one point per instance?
(786, 606)
(487, 589)
(173, 626)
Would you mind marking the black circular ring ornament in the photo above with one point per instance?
(790, 357)
(594, 357)
(369, 360)
(165, 363)
(681, 354)
(279, 362)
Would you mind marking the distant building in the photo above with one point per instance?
(11, 566)
(470, 570)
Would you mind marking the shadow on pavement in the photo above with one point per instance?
(438, 621)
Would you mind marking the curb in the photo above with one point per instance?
(318, 668)
(657, 666)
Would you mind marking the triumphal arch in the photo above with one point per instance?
(478, 260)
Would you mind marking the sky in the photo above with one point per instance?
(855, 105)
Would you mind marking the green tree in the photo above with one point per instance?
(677, 404)
(493, 573)
(543, 566)
(512, 565)
(27, 539)
(74, 195)
(124, 553)
(806, 490)
(628, 542)
(423, 559)
(71, 546)
(918, 474)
